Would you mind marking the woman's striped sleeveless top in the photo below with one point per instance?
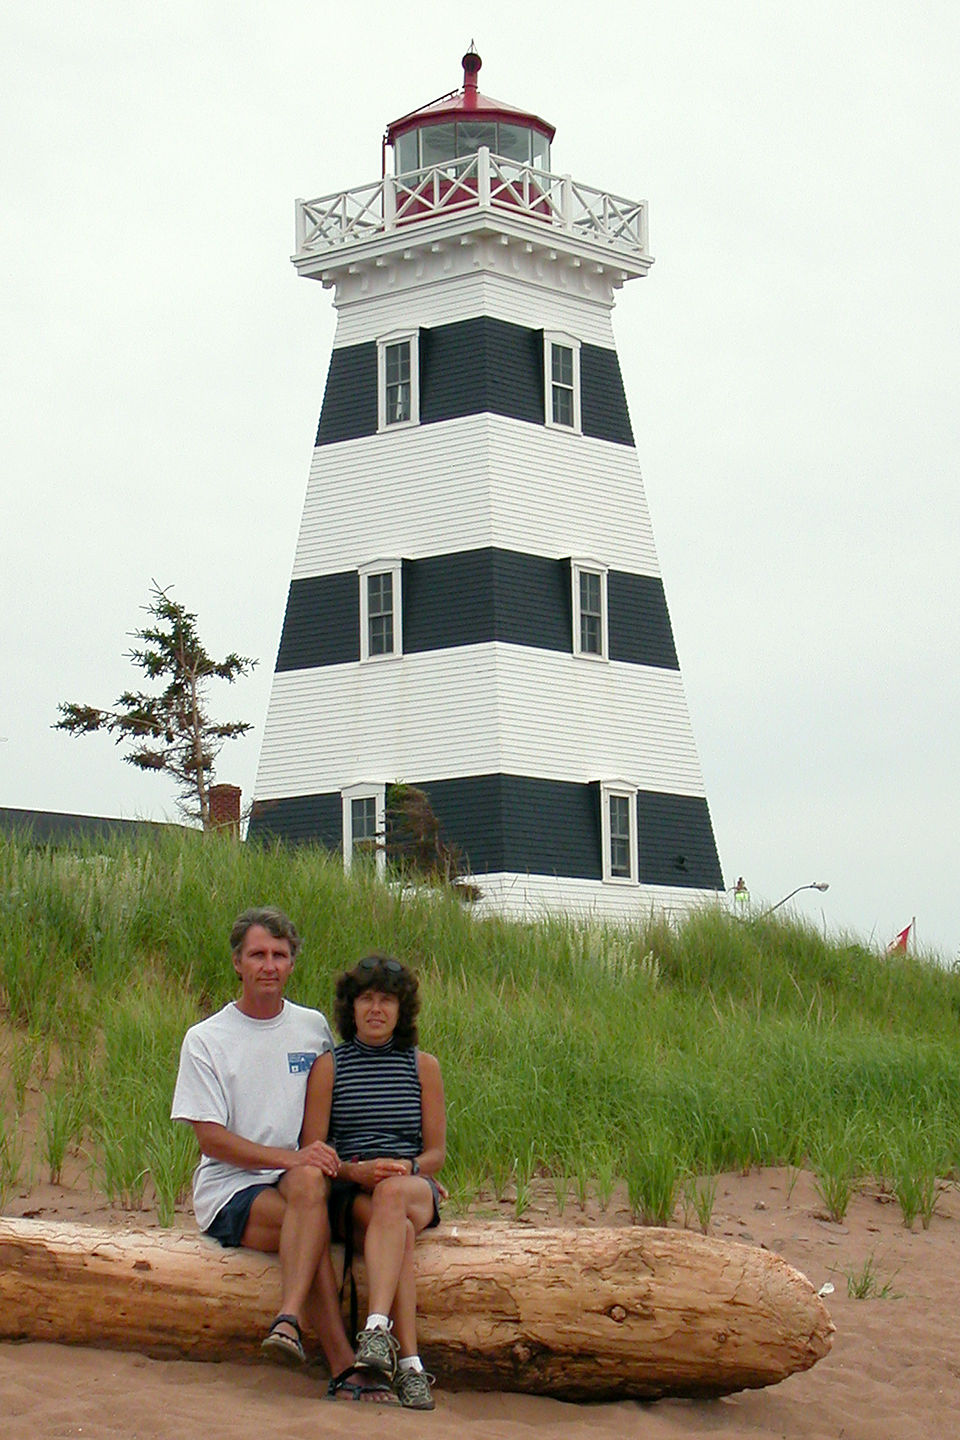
(376, 1109)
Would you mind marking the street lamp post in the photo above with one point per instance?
(814, 885)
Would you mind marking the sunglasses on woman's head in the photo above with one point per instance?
(370, 963)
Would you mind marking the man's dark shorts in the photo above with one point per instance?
(230, 1222)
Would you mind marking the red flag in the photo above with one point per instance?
(900, 942)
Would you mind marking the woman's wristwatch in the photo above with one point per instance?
(414, 1167)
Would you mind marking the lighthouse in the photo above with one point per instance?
(476, 607)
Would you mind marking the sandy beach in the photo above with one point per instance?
(893, 1371)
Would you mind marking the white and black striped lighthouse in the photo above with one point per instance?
(476, 606)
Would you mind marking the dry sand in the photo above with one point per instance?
(894, 1370)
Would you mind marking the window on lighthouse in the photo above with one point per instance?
(561, 357)
(591, 614)
(399, 381)
(589, 597)
(364, 824)
(381, 627)
(380, 613)
(619, 832)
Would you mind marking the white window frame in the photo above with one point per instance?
(620, 789)
(580, 567)
(364, 790)
(394, 568)
(412, 338)
(551, 338)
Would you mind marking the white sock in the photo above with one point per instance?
(378, 1322)
(410, 1362)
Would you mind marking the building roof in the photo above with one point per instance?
(467, 104)
(51, 827)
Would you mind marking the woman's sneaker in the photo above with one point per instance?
(377, 1350)
(413, 1388)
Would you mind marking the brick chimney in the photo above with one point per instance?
(225, 809)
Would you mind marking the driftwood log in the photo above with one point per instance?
(582, 1314)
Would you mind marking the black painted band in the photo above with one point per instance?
(474, 367)
(518, 824)
(475, 597)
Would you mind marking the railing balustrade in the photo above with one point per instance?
(477, 182)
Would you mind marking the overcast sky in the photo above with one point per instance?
(791, 365)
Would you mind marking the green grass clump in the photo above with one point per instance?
(11, 1157)
(595, 1055)
(865, 1283)
(653, 1179)
(62, 1125)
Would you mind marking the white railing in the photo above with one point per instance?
(477, 182)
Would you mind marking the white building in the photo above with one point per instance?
(476, 606)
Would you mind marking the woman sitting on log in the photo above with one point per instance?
(378, 1101)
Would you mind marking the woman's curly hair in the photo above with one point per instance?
(379, 972)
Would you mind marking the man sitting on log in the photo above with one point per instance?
(241, 1085)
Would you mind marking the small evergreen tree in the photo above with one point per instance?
(414, 845)
(172, 731)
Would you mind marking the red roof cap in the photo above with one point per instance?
(467, 103)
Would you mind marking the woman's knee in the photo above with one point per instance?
(305, 1186)
(389, 1197)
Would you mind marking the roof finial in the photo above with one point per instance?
(471, 63)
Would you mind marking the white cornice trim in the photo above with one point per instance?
(465, 244)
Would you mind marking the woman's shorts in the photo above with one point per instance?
(340, 1204)
(231, 1219)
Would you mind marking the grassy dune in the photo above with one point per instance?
(592, 1055)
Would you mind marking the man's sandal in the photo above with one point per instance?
(372, 1392)
(284, 1349)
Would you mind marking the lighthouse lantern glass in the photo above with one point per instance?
(406, 157)
(472, 134)
(455, 140)
(437, 143)
(513, 143)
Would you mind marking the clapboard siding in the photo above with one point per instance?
(433, 303)
(350, 399)
(299, 820)
(520, 896)
(520, 823)
(482, 480)
(470, 598)
(639, 622)
(472, 367)
(677, 845)
(322, 620)
(527, 825)
(476, 596)
(483, 709)
(603, 400)
(479, 365)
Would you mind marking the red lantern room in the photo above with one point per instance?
(458, 124)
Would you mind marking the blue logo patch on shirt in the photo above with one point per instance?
(300, 1061)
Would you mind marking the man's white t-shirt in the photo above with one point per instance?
(251, 1077)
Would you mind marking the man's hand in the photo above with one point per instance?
(321, 1156)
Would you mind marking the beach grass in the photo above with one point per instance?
(588, 1054)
